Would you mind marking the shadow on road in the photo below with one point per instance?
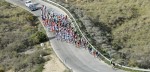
(38, 8)
(50, 38)
(36, 4)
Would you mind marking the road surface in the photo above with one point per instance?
(77, 59)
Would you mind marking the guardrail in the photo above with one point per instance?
(70, 15)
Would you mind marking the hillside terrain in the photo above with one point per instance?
(20, 36)
(118, 28)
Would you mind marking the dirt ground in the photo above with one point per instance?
(54, 64)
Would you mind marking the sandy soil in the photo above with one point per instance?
(54, 64)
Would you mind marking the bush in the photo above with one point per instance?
(20, 66)
(1, 69)
(39, 68)
(31, 19)
(5, 4)
(38, 37)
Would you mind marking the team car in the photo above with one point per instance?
(30, 5)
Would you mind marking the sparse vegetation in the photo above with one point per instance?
(20, 32)
(120, 28)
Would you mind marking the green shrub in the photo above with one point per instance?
(38, 37)
(39, 68)
(1, 69)
(31, 19)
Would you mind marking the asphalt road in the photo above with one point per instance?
(77, 59)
